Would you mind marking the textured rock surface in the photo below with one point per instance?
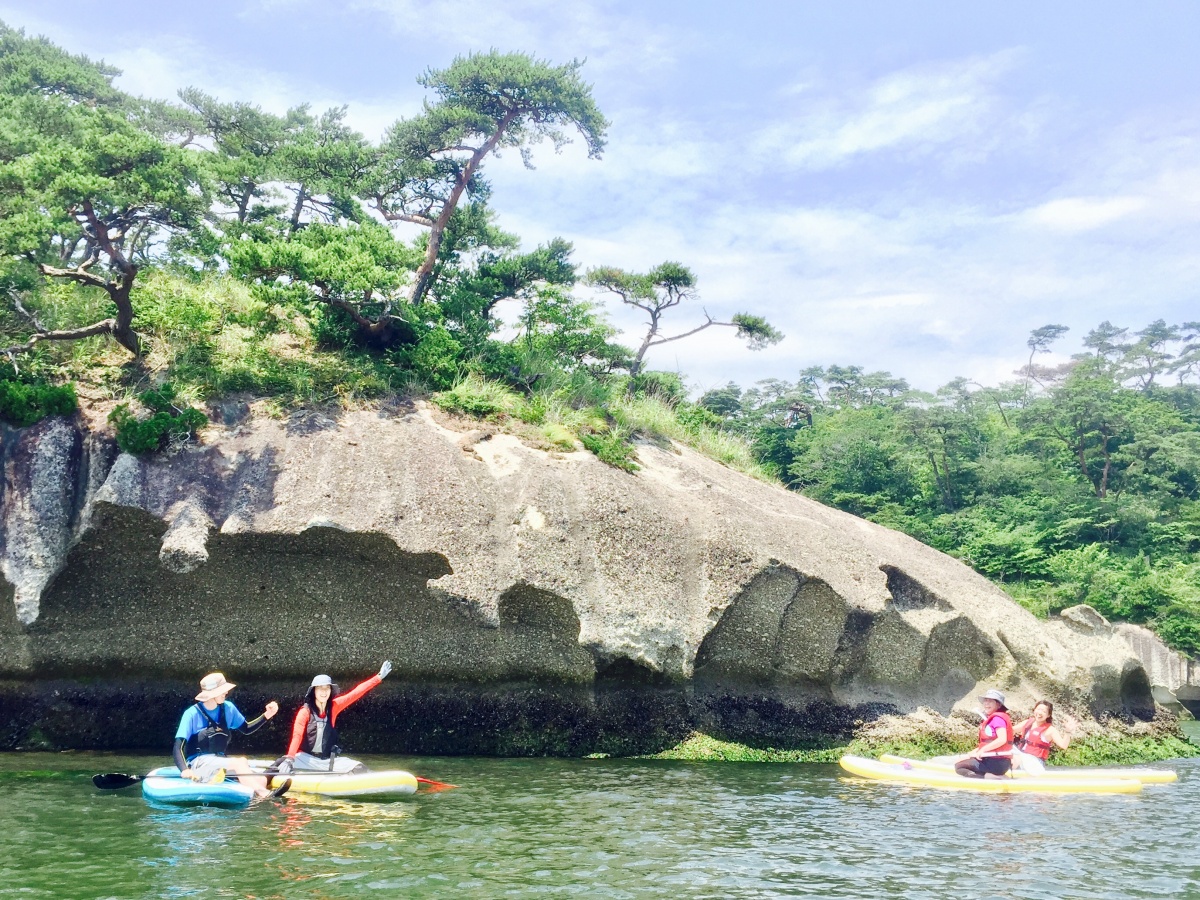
(531, 602)
(1174, 678)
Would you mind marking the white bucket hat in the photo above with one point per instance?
(213, 686)
(994, 694)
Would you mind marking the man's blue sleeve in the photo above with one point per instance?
(233, 716)
(186, 724)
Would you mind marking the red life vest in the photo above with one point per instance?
(985, 738)
(1034, 741)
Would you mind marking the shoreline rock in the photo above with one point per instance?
(545, 602)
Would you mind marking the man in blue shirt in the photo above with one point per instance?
(204, 732)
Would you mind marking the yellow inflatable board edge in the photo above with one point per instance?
(1145, 776)
(947, 780)
(389, 782)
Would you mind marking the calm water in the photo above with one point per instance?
(603, 828)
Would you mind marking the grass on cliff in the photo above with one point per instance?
(606, 422)
(700, 747)
(212, 336)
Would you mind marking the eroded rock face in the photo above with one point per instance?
(531, 602)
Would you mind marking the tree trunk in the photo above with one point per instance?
(1102, 488)
(244, 204)
(424, 276)
(123, 329)
(301, 196)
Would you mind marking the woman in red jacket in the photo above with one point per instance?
(314, 746)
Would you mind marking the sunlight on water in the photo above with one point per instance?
(594, 828)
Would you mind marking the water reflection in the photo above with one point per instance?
(598, 829)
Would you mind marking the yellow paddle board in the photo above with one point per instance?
(1145, 776)
(947, 779)
(379, 785)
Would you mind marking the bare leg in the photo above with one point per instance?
(241, 766)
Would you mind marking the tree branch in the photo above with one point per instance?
(108, 326)
(359, 319)
(105, 242)
(711, 321)
(405, 217)
(81, 275)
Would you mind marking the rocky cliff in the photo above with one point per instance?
(532, 602)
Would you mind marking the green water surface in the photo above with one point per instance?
(594, 828)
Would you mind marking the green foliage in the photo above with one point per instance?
(167, 424)
(650, 416)
(665, 386)
(612, 447)
(26, 401)
(663, 288)
(1093, 750)
(86, 174)
(1111, 750)
(1086, 490)
(756, 331)
(699, 747)
(475, 396)
(696, 418)
(479, 91)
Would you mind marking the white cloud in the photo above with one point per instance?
(610, 37)
(1085, 213)
(919, 107)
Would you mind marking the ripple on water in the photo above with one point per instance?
(595, 828)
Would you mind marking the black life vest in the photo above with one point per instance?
(213, 738)
(329, 736)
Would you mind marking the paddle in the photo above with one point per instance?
(115, 781)
(434, 785)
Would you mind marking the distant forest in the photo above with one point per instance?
(1078, 483)
(159, 255)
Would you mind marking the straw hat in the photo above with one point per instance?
(213, 686)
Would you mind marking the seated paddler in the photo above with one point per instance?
(993, 757)
(315, 746)
(202, 739)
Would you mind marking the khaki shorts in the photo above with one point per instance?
(206, 765)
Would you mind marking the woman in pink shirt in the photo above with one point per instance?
(993, 757)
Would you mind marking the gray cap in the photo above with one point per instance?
(325, 681)
(992, 694)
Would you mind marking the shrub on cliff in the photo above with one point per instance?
(167, 425)
(612, 446)
(23, 402)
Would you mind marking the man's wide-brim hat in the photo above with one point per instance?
(213, 686)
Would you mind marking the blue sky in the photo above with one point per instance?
(910, 186)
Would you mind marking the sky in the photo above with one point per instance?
(905, 186)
